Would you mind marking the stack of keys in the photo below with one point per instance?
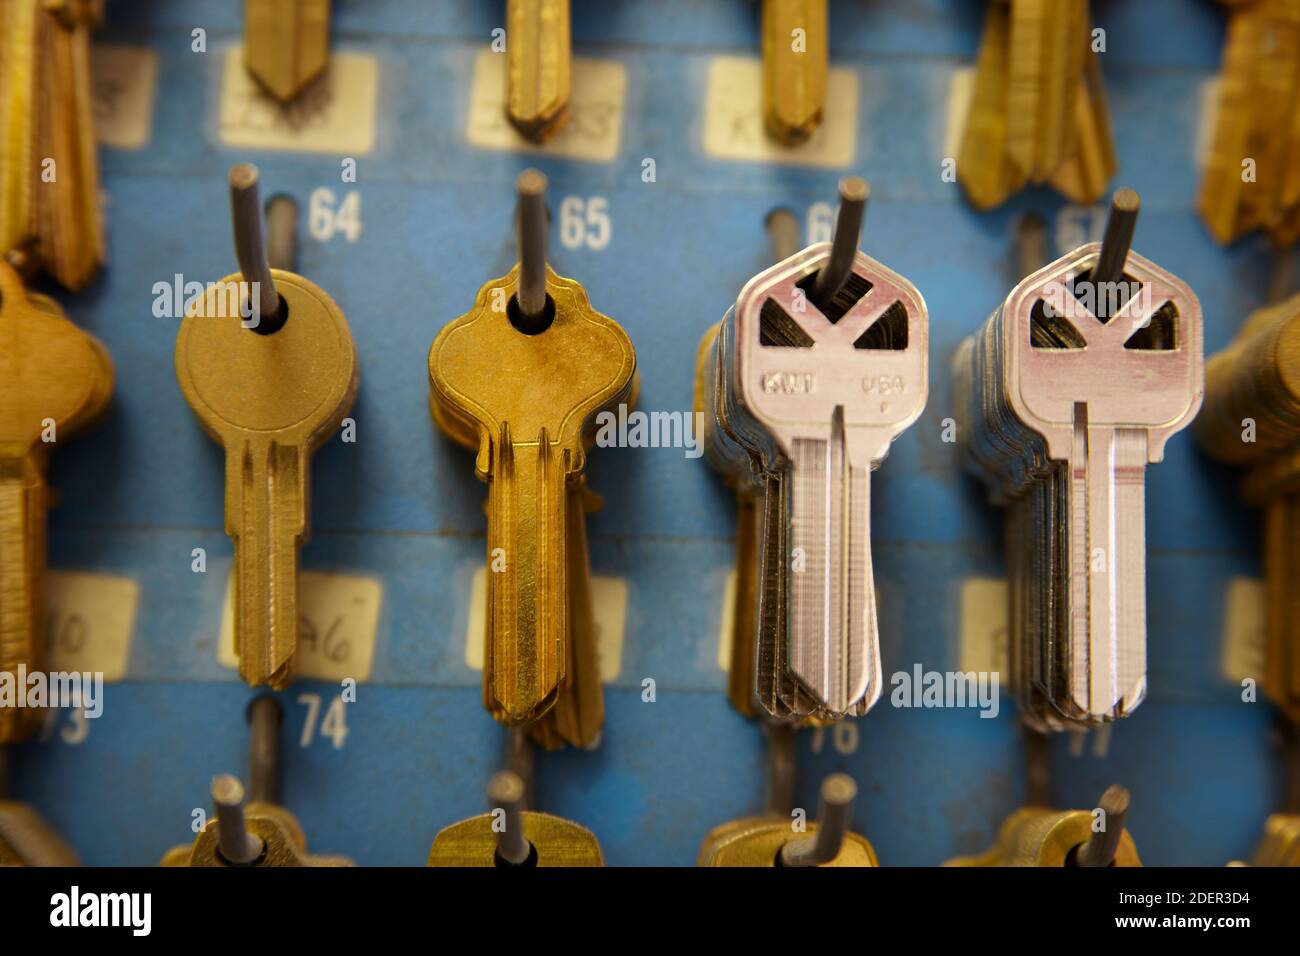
(539, 66)
(1252, 418)
(520, 379)
(1038, 110)
(1252, 172)
(795, 67)
(286, 44)
(50, 218)
(1074, 385)
(55, 381)
(266, 361)
(821, 363)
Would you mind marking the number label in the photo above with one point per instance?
(333, 724)
(328, 217)
(585, 222)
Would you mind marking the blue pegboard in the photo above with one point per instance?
(402, 504)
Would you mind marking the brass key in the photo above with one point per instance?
(55, 381)
(1038, 109)
(795, 67)
(270, 394)
(50, 218)
(520, 379)
(511, 836)
(259, 832)
(286, 43)
(539, 65)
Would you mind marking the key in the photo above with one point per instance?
(1075, 385)
(252, 829)
(770, 841)
(26, 839)
(269, 367)
(795, 66)
(539, 66)
(1252, 418)
(50, 217)
(1255, 119)
(55, 383)
(286, 44)
(1040, 836)
(520, 379)
(820, 414)
(1038, 108)
(1046, 62)
(511, 836)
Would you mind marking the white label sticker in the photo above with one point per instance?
(336, 114)
(338, 617)
(608, 605)
(1244, 631)
(733, 118)
(593, 130)
(123, 82)
(960, 89)
(91, 621)
(985, 626)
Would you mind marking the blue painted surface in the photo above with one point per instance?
(403, 505)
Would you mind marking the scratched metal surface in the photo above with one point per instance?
(403, 505)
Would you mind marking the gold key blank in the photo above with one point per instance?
(539, 66)
(286, 43)
(267, 363)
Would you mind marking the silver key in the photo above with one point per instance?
(823, 375)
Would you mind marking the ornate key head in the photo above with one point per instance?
(758, 841)
(485, 371)
(1141, 369)
(50, 370)
(554, 840)
(866, 354)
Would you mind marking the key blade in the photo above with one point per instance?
(795, 67)
(539, 64)
(1105, 649)
(527, 613)
(266, 517)
(23, 501)
(834, 645)
(286, 43)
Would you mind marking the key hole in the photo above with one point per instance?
(529, 863)
(270, 324)
(531, 326)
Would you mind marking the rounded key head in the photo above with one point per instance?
(49, 368)
(295, 384)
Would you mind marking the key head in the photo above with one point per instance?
(867, 353)
(555, 841)
(1039, 836)
(484, 373)
(293, 386)
(49, 369)
(283, 840)
(757, 842)
(1141, 369)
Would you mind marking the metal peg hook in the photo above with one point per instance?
(250, 251)
(833, 818)
(264, 718)
(783, 229)
(1102, 846)
(532, 225)
(282, 232)
(1118, 237)
(854, 193)
(506, 792)
(237, 845)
